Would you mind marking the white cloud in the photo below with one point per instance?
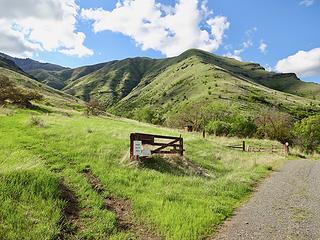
(307, 3)
(263, 47)
(170, 30)
(236, 54)
(233, 55)
(47, 25)
(304, 64)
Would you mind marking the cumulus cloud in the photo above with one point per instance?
(46, 25)
(303, 63)
(168, 29)
(307, 3)
(263, 47)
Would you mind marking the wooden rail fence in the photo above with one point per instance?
(247, 148)
(144, 145)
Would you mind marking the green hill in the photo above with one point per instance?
(52, 97)
(198, 76)
(28, 65)
(192, 77)
(41, 71)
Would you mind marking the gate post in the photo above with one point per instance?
(132, 136)
(181, 145)
(286, 148)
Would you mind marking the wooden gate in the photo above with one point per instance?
(155, 144)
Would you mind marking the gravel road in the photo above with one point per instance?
(285, 206)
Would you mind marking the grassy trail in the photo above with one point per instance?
(171, 202)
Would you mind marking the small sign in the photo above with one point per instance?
(137, 148)
(146, 152)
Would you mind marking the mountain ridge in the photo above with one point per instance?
(125, 86)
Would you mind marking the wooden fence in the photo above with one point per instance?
(157, 144)
(273, 149)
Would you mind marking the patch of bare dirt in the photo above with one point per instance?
(70, 220)
(122, 209)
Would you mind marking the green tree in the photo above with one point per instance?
(218, 128)
(243, 126)
(275, 125)
(307, 133)
(149, 114)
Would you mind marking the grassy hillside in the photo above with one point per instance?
(51, 96)
(8, 64)
(65, 178)
(28, 65)
(37, 70)
(194, 76)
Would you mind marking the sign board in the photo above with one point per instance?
(137, 148)
(146, 152)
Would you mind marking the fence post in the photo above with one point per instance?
(244, 146)
(181, 145)
(286, 148)
(131, 145)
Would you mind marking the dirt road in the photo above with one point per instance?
(285, 206)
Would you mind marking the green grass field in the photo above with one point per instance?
(172, 202)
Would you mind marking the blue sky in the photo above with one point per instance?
(257, 31)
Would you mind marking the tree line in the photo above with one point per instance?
(221, 119)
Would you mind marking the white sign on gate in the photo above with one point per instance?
(137, 148)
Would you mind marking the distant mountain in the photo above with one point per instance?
(52, 96)
(28, 65)
(194, 76)
(41, 71)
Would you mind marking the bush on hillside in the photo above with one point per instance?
(274, 125)
(243, 126)
(94, 108)
(218, 128)
(200, 114)
(10, 93)
(149, 114)
(307, 134)
(36, 121)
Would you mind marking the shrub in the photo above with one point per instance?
(36, 121)
(274, 125)
(9, 92)
(199, 114)
(243, 126)
(307, 134)
(149, 114)
(218, 128)
(94, 108)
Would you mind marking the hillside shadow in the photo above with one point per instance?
(163, 165)
(173, 165)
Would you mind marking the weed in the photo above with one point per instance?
(36, 121)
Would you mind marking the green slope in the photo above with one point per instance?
(112, 76)
(166, 197)
(28, 65)
(52, 97)
(196, 76)
(191, 77)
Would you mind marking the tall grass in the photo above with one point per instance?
(176, 206)
(29, 205)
